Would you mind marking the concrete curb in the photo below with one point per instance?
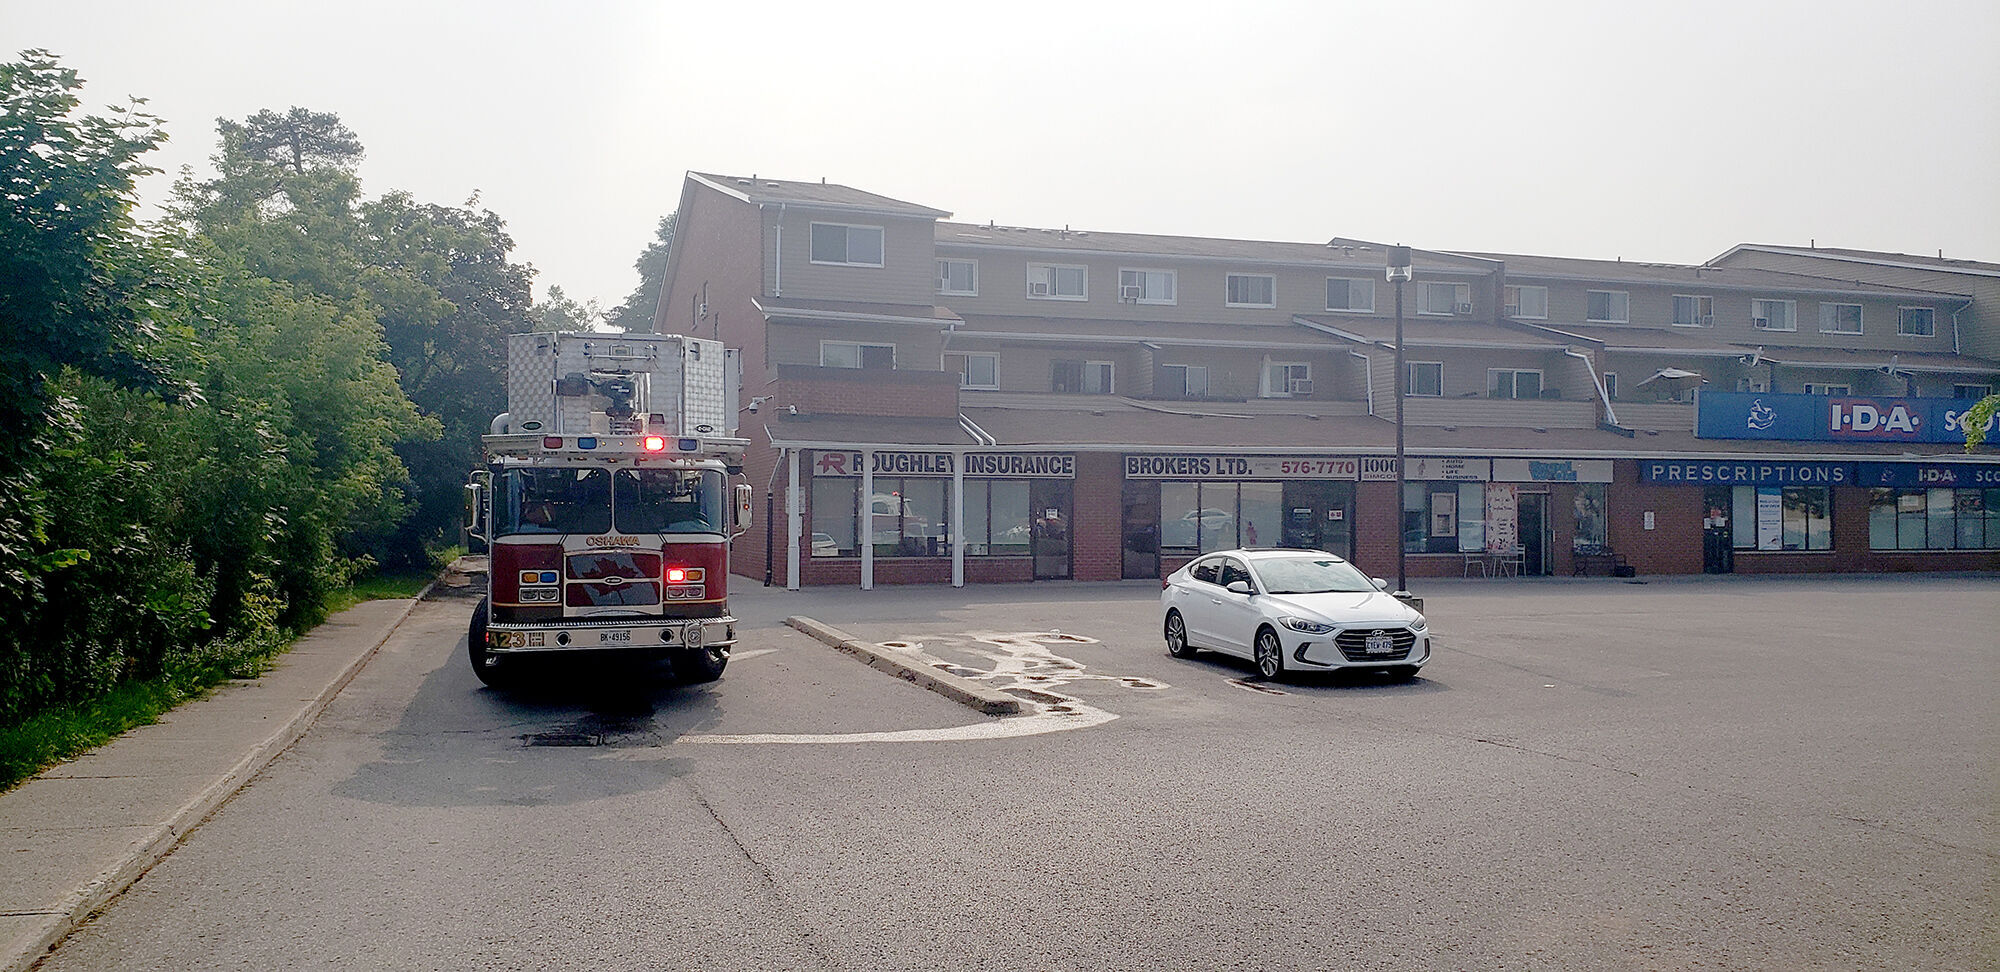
(113, 880)
(962, 690)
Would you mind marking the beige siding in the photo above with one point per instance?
(1978, 325)
(1489, 412)
(908, 274)
(917, 349)
(1665, 417)
(1653, 307)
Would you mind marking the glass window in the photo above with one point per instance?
(1782, 518)
(1252, 290)
(1085, 377)
(1881, 519)
(1472, 516)
(1233, 572)
(1283, 379)
(668, 501)
(1608, 306)
(1510, 383)
(1443, 517)
(1426, 379)
(848, 354)
(1009, 517)
(856, 246)
(1591, 518)
(1694, 311)
(958, 277)
(1146, 286)
(833, 517)
(1774, 315)
(1743, 517)
(1207, 571)
(1179, 526)
(1840, 318)
(974, 370)
(1939, 511)
(1261, 513)
(1970, 509)
(553, 501)
(1054, 282)
(1189, 381)
(1528, 302)
(1916, 322)
(1215, 518)
(1348, 294)
(1444, 298)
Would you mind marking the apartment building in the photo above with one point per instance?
(936, 401)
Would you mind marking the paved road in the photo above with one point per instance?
(1730, 774)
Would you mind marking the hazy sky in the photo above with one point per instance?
(1663, 132)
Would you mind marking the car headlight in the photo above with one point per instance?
(1419, 624)
(1306, 625)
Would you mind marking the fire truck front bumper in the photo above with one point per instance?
(624, 635)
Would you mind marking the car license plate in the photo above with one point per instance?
(1380, 643)
(609, 637)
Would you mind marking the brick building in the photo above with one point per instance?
(941, 402)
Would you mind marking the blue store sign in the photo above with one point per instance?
(1830, 418)
(1709, 472)
(1936, 475)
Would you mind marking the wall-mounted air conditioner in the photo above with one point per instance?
(1131, 292)
(1302, 387)
(1707, 320)
(1038, 288)
(1762, 323)
(1463, 308)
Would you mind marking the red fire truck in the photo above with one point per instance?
(606, 505)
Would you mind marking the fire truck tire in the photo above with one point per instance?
(475, 650)
(700, 664)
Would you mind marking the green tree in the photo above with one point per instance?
(636, 313)
(1974, 421)
(560, 313)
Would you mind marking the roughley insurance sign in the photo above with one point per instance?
(1830, 418)
(978, 465)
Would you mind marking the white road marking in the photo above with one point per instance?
(752, 653)
(1021, 664)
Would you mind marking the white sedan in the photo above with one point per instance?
(1291, 611)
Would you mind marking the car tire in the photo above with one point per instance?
(494, 676)
(1269, 655)
(696, 665)
(1176, 634)
(1402, 673)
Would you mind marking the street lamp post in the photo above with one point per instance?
(1399, 271)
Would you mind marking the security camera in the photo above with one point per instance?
(791, 410)
(752, 407)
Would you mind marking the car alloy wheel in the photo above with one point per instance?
(1177, 643)
(1270, 655)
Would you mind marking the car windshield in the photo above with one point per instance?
(1311, 575)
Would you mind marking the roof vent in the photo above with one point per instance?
(1543, 431)
(1451, 428)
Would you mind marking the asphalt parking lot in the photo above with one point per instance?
(1729, 773)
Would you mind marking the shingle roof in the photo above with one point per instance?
(788, 308)
(1422, 333)
(1103, 331)
(1532, 267)
(759, 189)
(1875, 256)
(1339, 254)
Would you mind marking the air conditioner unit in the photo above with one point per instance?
(1299, 386)
(1131, 292)
(1707, 320)
(1511, 310)
(1463, 308)
(1761, 322)
(1038, 288)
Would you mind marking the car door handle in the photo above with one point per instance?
(1215, 600)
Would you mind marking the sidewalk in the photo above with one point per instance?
(74, 837)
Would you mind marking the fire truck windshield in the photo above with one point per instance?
(553, 501)
(669, 501)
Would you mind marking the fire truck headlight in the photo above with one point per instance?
(677, 575)
(655, 443)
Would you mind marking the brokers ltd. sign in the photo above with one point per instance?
(1197, 466)
(1830, 418)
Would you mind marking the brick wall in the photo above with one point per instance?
(1096, 547)
(1674, 544)
(854, 391)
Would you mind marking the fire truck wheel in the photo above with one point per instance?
(475, 650)
(701, 664)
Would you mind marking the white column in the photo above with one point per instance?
(868, 519)
(794, 514)
(958, 519)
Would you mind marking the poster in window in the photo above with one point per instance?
(1444, 514)
(1770, 518)
(1503, 518)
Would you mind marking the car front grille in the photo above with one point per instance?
(1354, 644)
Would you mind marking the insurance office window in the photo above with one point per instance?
(1444, 517)
(907, 518)
(843, 245)
(1934, 519)
(996, 517)
(1781, 517)
(833, 517)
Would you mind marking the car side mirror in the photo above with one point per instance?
(1380, 584)
(1239, 587)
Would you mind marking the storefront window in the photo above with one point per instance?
(1204, 517)
(1008, 516)
(1260, 507)
(1782, 517)
(1934, 519)
(1591, 519)
(833, 517)
(1444, 517)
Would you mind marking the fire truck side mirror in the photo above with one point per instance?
(478, 505)
(745, 493)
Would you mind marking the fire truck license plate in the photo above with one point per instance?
(608, 637)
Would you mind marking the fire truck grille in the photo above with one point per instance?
(632, 594)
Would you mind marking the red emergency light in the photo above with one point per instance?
(654, 443)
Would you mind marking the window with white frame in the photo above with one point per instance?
(853, 354)
(974, 370)
(1611, 385)
(1608, 307)
(1528, 302)
(958, 277)
(1513, 383)
(1971, 391)
(1839, 318)
(1146, 286)
(1916, 322)
(1774, 315)
(1189, 381)
(1444, 298)
(847, 246)
(1251, 290)
(1285, 379)
(1822, 388)
(1350, 294)
(1081, 377)
(1423, 379)
(1694, 310)
(1049, 281)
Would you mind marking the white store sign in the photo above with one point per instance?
(1429, 469)
(1197, 466)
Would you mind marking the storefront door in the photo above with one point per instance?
(1319, 516)
(1718, 543)
(1049, 525)
(1534, 525)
